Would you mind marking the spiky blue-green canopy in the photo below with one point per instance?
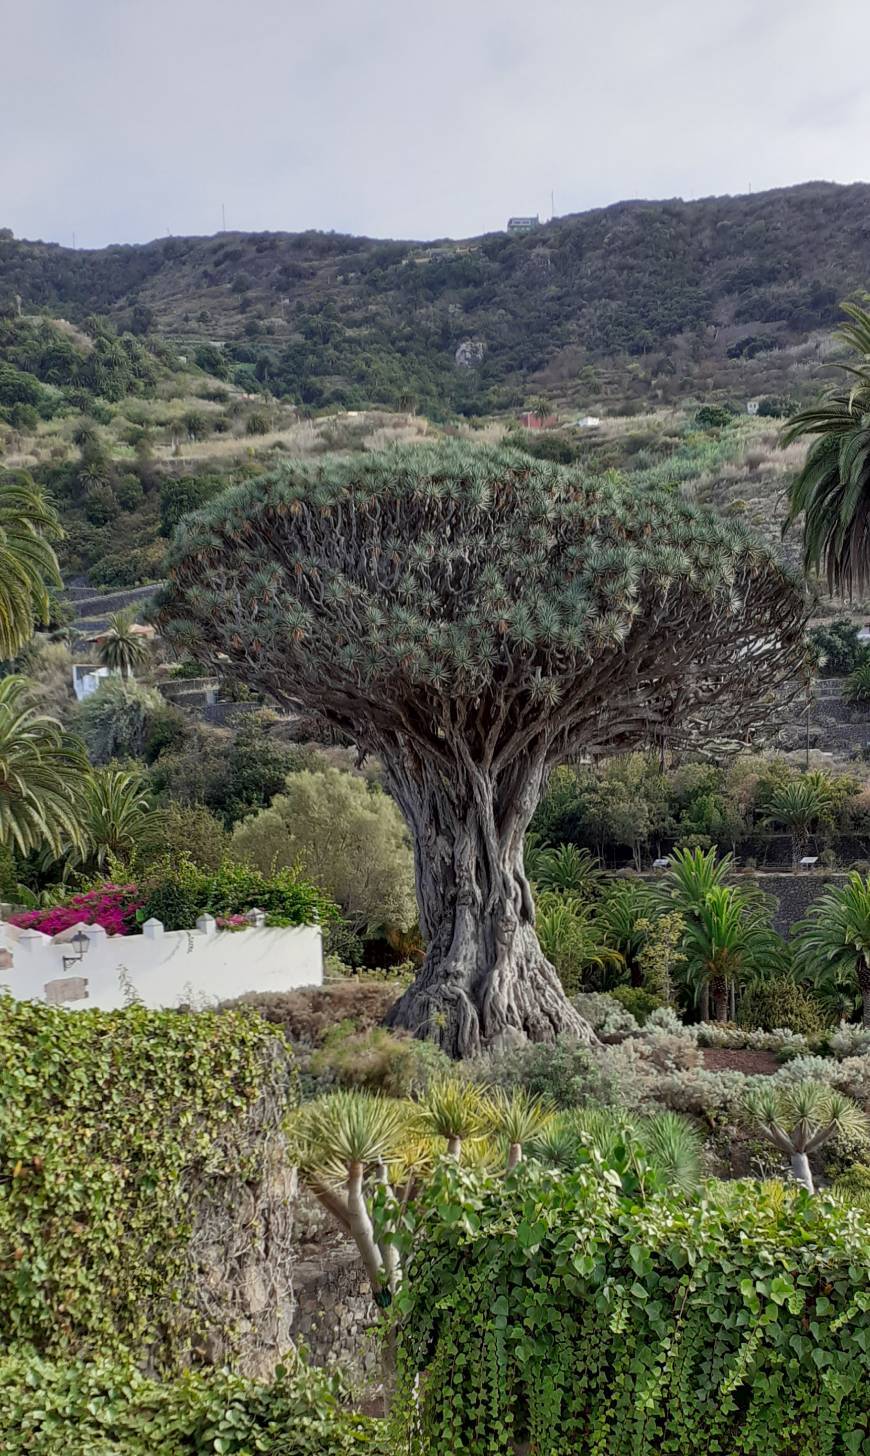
(437, 594)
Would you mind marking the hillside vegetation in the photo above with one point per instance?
(652, 300)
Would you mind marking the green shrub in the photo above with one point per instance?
(176, 890)
(109, 1124)
(391, 1063)
(638, 1001)
(854, 1185)
(579, 1319)
(713, 417)
(116, 720)
(111, 1407)
(308, 1015)
(565, 1073)
(780, 1003)
(347, 836)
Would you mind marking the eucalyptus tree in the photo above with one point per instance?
(475, 617)
(832, 490)
(28, 565)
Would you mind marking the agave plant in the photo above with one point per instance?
(28, 565)
(800, 1118)
(832, 491)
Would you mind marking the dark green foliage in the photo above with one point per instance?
(579, 1319)
(778, 1003)
(836, 649)
(552, 446)
(179, 496)
(713, 416)
(370, 324)
(232, 774)
(177, 892)
(107, 1120)
(110, 1406)
(640, 1002)
(564, 1073)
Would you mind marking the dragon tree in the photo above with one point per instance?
(473, 618)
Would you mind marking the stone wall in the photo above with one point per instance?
(334, 1316)
(794, 893)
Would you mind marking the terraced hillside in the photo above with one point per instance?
(642, 301)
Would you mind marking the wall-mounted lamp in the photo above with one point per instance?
(81, 943)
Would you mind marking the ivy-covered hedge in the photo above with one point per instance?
(112, 1124)
(111, 1409)
(557, 1311)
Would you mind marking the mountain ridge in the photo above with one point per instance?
(661, 299)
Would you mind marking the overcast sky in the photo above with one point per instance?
(122, 120)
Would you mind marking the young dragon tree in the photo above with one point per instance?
(475, 617)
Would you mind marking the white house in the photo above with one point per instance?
(587, 422)
(84, 967)
(86, 679)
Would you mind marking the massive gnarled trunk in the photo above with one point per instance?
(485, 980)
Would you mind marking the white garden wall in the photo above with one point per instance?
(163, 968)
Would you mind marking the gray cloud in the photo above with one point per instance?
(124, 119)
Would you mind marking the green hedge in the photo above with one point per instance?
(178, 892)
(559, 1312)
(109, 1121)
(111, 1409)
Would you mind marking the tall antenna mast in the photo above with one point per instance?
(223, 218)
(552, 205)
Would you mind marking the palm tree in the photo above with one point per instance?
(727, 944)
(118, 821)
(122, 649)
(623, 916)
(832, 491)
(572, 939)
(800, 1118)
(28, 565)
(567, 868)
(798, 806)
(836, 932)
(42, 773)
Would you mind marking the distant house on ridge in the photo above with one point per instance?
(523, 224)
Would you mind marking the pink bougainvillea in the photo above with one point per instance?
(232, 922)
(112, 906)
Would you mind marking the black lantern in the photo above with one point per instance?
(81, 943)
